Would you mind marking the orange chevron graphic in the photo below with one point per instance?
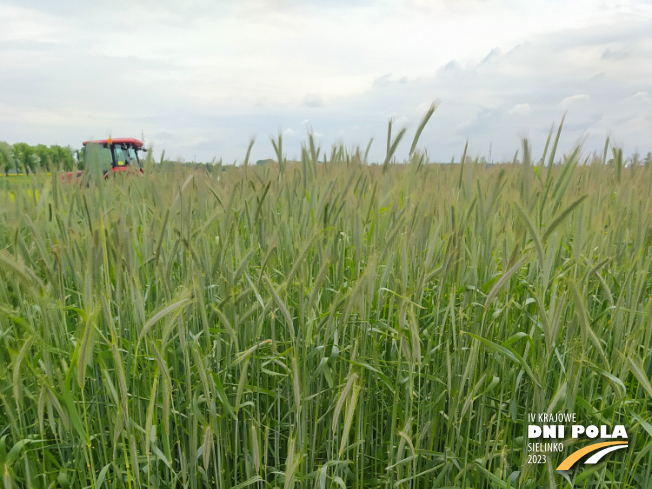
(574, 457)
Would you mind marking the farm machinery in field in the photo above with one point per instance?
(109, 157)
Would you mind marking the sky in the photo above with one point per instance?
(200, 79)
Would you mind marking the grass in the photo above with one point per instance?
(334, 325)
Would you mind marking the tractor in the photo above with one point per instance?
(110, 156)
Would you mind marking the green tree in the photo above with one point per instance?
(44, 156)
(6, 157)
(68, 158)
(81, 158)
(23, 155)
(58, 157)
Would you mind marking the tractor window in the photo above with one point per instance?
(131, 158)
(120, 156)
(125, 155)
(98, 156)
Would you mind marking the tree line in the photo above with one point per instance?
(24, 158)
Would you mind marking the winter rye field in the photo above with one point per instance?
(325, 324)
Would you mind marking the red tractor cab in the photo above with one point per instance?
(110, 156)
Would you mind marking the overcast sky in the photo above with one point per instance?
(199, 79)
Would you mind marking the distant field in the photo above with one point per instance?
(327, 325)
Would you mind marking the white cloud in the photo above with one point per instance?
(312, 100)
(211, 74)
(520, 109)
(572, 100)
(20, 23)
(398, 121)
(639, 97)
